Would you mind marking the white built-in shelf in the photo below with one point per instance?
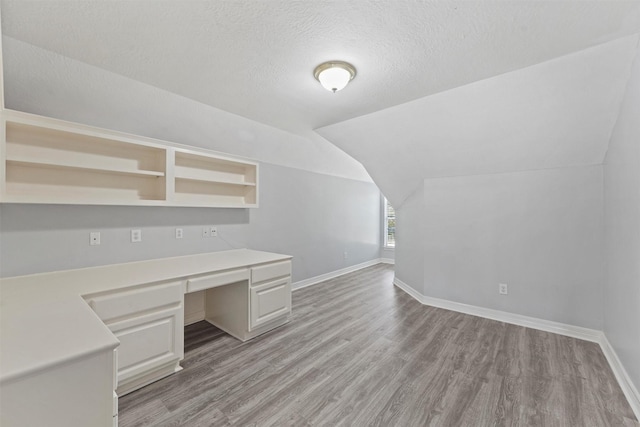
(68, 165)
(52, 161)
(204, 176)
(200, 179)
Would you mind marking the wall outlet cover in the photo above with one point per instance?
(179, 233)
(94, 238)
(136, 236)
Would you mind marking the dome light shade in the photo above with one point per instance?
(334, 75)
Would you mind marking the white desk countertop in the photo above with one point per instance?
(44, 321)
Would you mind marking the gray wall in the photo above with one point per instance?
(387, 253)
(46, 83)
(622, 231)
(316, 202)
(314, 217)
(540, 232)
(409, 257)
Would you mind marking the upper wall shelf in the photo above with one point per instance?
(46, 160)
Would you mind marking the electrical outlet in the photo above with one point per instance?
(94, 238)
(206, 232)
(503, 289)
(214, 231)
(136, 236)
(345, 255)
(179, 233)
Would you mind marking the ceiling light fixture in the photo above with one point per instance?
(334, 75)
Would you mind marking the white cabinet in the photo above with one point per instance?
(45, 160)
(257, 303)
(149, 323)
(208, 281)
(76, 393)
(150, 347)
(270, 301)
(63, 357)
(270, 271)
(270, 293)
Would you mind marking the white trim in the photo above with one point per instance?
(627, 386)
(387, 261)
(333, 274)
(408, 289)
(586, 334)
(593, 335)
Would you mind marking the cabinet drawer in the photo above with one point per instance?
(270, 301)
(270, 271)
(218, 279)
(148, 342)
(125, 303)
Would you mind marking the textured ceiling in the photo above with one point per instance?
(43, 82)
(255, 58)
(556, 114)
(443, 87)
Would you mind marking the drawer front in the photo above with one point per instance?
(270, 271)
(121, 304)
(270, 301)
(217, 279)
(148, 342)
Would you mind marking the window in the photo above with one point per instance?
(389, 225)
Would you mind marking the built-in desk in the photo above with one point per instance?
(68, 339)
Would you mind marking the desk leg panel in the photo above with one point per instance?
(227, 307)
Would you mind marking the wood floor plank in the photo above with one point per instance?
(142, 414)
(360, 352)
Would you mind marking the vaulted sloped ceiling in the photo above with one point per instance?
(255, 58)
(556, 114)
(443, 87)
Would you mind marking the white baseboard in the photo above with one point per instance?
(387, 261)
(593, 335)
(409, 290)
(504, 316)
(333, 274)
(628, 388)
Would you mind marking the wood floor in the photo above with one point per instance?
(360, 352)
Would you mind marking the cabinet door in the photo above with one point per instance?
(149, 322)
(148, 342)
(270, 301)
